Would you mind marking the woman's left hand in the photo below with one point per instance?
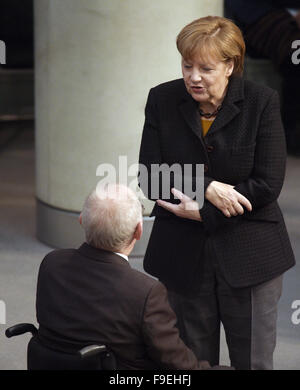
(187, 208)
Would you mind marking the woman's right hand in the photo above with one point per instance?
(226, 198)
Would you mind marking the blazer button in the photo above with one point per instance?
(209, 148)
(205, 168)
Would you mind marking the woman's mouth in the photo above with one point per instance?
(197, 89)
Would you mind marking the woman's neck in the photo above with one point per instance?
(212, 104)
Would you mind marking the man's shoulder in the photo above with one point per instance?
(141, 280)
(58, 255)
(131, 276)
(142, 289)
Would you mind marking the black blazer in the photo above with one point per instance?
(245, 147)
(89, 296)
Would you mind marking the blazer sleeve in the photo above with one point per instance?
(161, 336)
(267, 177)
(150, 152)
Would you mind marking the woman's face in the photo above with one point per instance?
(206, 79)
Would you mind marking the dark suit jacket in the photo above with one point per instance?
(87, 296)
(244, 147)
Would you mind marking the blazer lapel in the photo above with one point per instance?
(189, 108)
(191, 115)
(225, 115)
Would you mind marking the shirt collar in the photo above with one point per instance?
(102, 255)
(122, 255)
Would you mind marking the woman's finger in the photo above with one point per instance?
(226, 212)
(180, 195)
(244, 201)
(177, 193)
(232, 211)
(238, 208)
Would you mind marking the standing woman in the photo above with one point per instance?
(223, 262)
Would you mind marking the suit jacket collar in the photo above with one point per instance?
(189, 107)
(101, 255)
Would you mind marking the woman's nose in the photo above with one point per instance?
(195, 76)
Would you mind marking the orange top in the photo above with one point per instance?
(206, 123)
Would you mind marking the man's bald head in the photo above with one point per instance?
(110, 217)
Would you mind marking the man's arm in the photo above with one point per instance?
(161, 335)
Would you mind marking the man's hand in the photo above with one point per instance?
(187, 208)
(226, 199)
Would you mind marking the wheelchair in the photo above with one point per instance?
(39, 357)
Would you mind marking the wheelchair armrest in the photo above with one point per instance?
(18, 329)
(108, 359)
(92, 350)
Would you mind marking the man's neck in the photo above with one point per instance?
(126, 251)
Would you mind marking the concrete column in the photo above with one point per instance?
(95, 62)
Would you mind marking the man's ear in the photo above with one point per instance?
(138, 231)
(230, 68)
(80, 219)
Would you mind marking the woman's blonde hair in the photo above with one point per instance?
(213, 36)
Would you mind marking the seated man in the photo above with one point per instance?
(91, 294)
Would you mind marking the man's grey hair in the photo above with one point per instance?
(110, 216)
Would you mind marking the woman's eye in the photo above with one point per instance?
(207, 69)
(187, 66)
